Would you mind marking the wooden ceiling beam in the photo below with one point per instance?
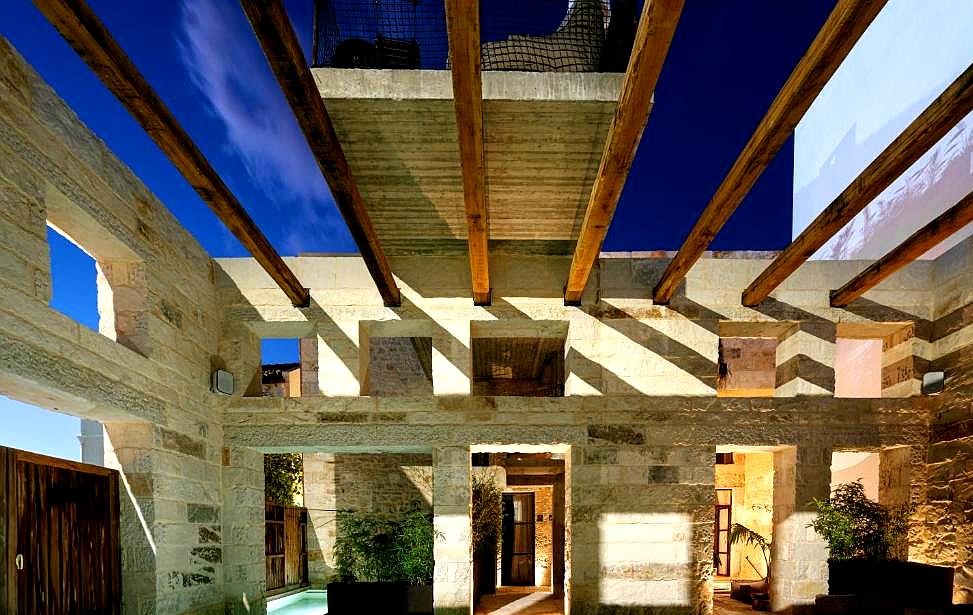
(657, 26)
(82, 29)
(920, 242)
(955, 103)
(283, 50)
(837, 36)
(463, 27)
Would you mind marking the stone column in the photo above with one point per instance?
(320, 500)
(170, 505)
(245, 572)
(799, 559)
(452, 579)
(805, 360)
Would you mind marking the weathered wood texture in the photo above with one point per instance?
(63, 522)
(81, 28)
(285, 547)
(279, 42)
(837, 36)
(656, 29)
(925, 131)
(463, 26)
(920, 242)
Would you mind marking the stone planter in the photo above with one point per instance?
(373, 597)
(908, 584)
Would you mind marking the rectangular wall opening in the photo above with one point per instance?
(746, 367)
(519, 515)
(280, 371)
(74, 282)
(524, 359)
(743, 526)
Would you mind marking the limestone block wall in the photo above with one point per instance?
(146, 375)
(640, 482)
(945, 534)
(388, 484)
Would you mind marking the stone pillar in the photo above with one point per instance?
(320, 500)
(641, 524)
(245, 572)
(171, 539)
(452, 579)
(309, 366)
(799, 559)
(805, 359)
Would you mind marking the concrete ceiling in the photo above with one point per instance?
(543, 135)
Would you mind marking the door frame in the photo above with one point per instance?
(717, 531)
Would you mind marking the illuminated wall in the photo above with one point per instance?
(908, 56)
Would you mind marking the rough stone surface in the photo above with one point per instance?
(639, 423)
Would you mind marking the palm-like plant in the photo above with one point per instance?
(741, 534)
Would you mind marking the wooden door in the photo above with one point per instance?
(721, 533)
(517, 553)
(62, 536)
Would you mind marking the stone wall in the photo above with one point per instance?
(945, 518)
(390, 484)
(145, 376)
(751, 477)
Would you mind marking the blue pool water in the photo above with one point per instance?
(308, 602)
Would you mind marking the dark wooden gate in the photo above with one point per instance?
(286, 547)
(60, 542)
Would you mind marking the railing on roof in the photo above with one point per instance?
(517, 35)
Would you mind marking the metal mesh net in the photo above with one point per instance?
(517, 35)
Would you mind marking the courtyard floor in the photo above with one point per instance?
(724, 605)
(521, 603)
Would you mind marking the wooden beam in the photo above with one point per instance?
(276, 35)
(925, 131)
(82, 29)
(920, 242)
(463, 26)
(657, 26)
(837, 36)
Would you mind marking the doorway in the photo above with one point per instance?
(517, 552)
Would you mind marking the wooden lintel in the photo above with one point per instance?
(933, 123)
(283, 50)
(920, 242)
(463, 26)
(657, 26)
(837, 36)
(82, 29)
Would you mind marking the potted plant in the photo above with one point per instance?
(755, 592)
(487, 520)
(862, 537)
(382, 565)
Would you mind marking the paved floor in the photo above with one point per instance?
(724, 605)
(546, 603)
(521, 603)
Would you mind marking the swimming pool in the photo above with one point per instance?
(308, 602)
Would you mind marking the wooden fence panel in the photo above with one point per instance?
(286, 546)
(63, 527)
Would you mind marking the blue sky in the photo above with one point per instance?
(728, 60)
